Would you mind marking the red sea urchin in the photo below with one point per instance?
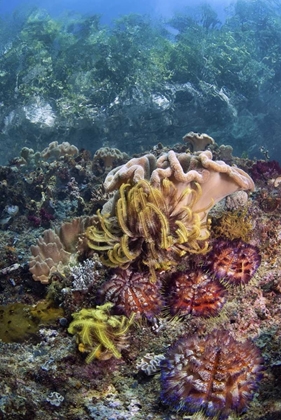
(195, 292)
(233, 261)
(214, 373)
(133, 292)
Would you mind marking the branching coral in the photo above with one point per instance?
(160, 212)
(98, 333)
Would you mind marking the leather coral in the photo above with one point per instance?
(159, 212)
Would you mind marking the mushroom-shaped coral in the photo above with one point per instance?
(56, 247)
(56, 150)
(160, 211)
(234, 262)
(194, 292)
(198, 141)
(98, 333)
(214, 373)
(109, 157)
(154, 225)
(133, 293)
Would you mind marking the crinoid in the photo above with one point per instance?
(98, 333)
(234, 262)
(133, 293)
(214, 373)
(196, 293)
(153, 225)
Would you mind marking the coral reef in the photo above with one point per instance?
(215, 374)
(132, 292)
(44, 376)
(98, 333)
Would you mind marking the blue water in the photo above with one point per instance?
(111, 9)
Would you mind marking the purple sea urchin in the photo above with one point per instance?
(234, 261)
(214, 373)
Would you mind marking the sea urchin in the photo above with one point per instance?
(214, 373)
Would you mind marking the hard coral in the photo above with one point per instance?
(196, 293)
(214, 373)
(233, 261)
(133, 293)
(98, 333)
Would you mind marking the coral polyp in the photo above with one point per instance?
(196, 293)
(133, 293)
(215, 374)
(153, 225)
(234, 261)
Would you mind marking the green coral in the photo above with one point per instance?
(98, 333)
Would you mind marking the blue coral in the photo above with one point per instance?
(214, 373)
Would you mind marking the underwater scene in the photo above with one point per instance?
(140, 198)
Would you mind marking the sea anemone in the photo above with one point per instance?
(214, 373)
(234, 262)
(133, 293)
(196, 293)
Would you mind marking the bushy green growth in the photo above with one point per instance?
(19, 321)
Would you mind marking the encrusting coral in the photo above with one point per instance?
(98, 333)
(160, 212)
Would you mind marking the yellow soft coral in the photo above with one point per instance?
(98, 333)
